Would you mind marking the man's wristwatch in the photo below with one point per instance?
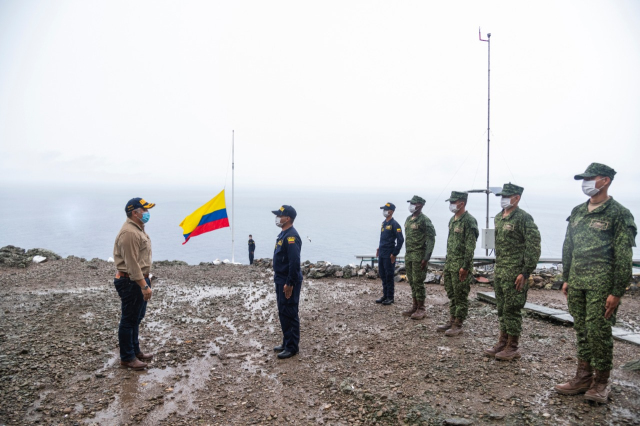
(146, 287)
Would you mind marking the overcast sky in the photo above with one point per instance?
(359, 94)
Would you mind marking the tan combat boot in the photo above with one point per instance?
(510, 352)
(599, 391)
(420, 312)
(444, 327)
(502, 343)
(580, 383)
(411, 310)
(456, 328)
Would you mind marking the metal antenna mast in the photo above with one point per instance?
(488, 40)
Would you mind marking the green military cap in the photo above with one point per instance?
(417, 200)
(509, 189)
(596, 169)
(457, 195)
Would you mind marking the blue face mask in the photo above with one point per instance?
(145, 217)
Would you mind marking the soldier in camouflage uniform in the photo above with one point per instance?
(597, 267)
(420, 237)
(461, 244)
(517, 254)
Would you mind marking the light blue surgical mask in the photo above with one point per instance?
(145, 217)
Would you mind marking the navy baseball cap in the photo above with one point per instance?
(389, 206)
(286, 211)
(137, 203)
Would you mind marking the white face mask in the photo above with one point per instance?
(589, 187)
(453, 208)
(505, 203)
(412, 208)
(279, 222)
(386, 213)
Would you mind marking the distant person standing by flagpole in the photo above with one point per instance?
(252, 249)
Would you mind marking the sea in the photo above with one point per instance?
(335, 224)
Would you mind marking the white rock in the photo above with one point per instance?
(217, 262)
(226, 261)
(39, 259)
(110, 260)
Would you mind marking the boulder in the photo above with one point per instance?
(347, 272)
(372, 275)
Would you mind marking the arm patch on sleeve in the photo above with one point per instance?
(291, 240)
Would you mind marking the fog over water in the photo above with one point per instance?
(84, 221)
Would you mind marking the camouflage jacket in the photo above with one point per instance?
(517, 243)
(461, 243)
(420, 237)
(597, 248)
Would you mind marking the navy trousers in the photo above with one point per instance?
(386, 269)
(133, 308)
(289, 320)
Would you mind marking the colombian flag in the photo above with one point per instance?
(209, 217)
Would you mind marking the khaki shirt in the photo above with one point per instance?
(132, 251)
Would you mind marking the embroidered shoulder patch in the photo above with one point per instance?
(291, 240)
(599, 224)
(399, 230)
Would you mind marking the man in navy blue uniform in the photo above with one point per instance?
(391, 241)
(288, 280)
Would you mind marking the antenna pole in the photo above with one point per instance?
(233, 209)
(488, 121)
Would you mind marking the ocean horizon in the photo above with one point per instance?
(335, 225)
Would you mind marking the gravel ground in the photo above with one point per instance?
(212, 329)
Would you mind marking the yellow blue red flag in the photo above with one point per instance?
(209, 217)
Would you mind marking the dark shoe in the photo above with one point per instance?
(144, 357)
(444, 327)
(135, 364)
(580, 383)
(278, 348)
(411, 310)
(387, 302)
(420, 312)
(502, 343)
(382, 299)
(286, 354)
(456, 328)
(599, 391)
(510, 351)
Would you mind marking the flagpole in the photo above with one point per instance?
(233, 209)
(488, 40)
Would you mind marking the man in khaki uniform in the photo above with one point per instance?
(132, 256)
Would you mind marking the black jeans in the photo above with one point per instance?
(133, 309)
(250, 258)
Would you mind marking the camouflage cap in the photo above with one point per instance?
(457, 195)
(596, 169)
(509, 189)
(417, 200)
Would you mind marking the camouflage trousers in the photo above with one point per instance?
(457, 291)
(593, 331)
(510, 303)
(416, 276)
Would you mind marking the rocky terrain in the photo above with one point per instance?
(212, 328)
